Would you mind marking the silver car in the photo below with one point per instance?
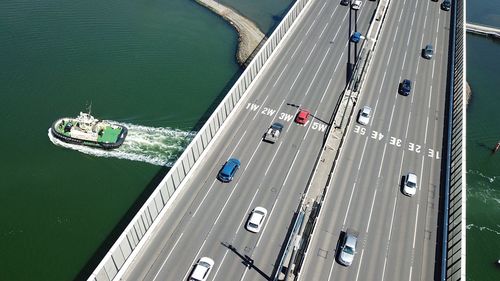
(428, 51)
(356, 4)
(347, 248)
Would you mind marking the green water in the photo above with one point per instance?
(149, 63)
(483, 132)
(483, 167)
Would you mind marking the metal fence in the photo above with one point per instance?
(454, 225)
(134, 235)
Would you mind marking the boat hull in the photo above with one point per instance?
(102, 145)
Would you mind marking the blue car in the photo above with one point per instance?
(229, 169)
(356, 37)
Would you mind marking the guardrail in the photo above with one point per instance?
(139, 229)
(453, 264)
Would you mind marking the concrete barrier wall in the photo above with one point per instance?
(454, 247)
(134, 235)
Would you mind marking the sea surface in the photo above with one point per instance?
(159, 67)
(483, 132)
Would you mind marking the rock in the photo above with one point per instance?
(249, 34)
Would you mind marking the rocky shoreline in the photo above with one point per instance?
(249, 35)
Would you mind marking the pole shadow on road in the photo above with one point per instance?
(246, 260)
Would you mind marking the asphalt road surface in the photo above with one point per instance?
(397, 233)
(208, 218)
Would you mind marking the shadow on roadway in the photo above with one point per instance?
(246, 260)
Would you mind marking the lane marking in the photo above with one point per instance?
(296, 49)
(317, 71)
(371, 211)
(359, 266)
(203, 200)
(272, 160)
(321, 34)
(296, 78)
(382, 161)
(168, 256)
(390, 234)
(278, 79)
(247, 212)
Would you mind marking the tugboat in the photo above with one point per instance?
(89, 131)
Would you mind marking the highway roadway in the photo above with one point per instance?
(208, 217)
(397, 233)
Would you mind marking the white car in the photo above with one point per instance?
(202, 269)
(256, 219)
(410, 185)
(356, 5)
(364, 115)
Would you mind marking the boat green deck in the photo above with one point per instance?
(110, 135)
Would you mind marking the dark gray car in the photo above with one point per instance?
(428, 51)
(446, 5)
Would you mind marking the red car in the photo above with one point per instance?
(302, 116)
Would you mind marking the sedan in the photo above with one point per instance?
(410, 184)
(364, 115)
(428, 51)
(226, 174)
(405, 87)
(356, 37)
(347, 248)
(256, 219)
(356, 5)
(202, 269)
(344, 2)
(302, 116)
(446, 5)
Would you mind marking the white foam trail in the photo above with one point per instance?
(482, 228)
(157, 146)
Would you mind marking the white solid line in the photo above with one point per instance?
(296, 49)
(371, 211)
(415, 232)
(275, 153)
(349, 203)
(289, 170)
(310, 53)
(282, 71)
(296, 77)
(321, 34)
(382, 161)
(237, 229)
(383, 270)
(362, 156)
(317, 71)
(203, 200)
(246, 213)
(309, 29)
(168, 256)
(390, 233)
(359, 266)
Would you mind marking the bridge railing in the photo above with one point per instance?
(140, 227)
(454, 207)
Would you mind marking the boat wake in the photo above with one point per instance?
(157, 146)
